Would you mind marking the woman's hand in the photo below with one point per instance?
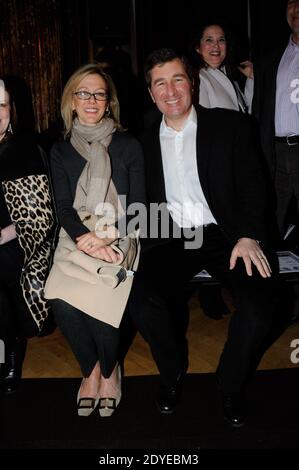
(107, 254)
(90, 243)
(246, 68)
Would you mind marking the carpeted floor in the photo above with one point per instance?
(42, 415)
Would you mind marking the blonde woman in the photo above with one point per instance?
(97, 162)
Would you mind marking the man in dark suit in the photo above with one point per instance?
(203, 173)
(276, 106)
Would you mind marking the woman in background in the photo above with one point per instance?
(218, 88)
(26, 221)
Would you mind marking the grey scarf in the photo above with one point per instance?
(95, 184)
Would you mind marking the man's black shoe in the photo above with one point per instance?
(167, 399)
(234, 408)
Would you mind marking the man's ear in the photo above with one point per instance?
(150, 92)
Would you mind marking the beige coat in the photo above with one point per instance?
(95, 287)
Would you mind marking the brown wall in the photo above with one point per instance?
(42, 42)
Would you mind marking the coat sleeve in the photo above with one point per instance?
(250, 183)
(136, 198)
(67, 215)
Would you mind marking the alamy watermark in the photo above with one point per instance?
(295, 354)
(295, 93)
(153, 221)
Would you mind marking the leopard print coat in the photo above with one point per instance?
(29, 203)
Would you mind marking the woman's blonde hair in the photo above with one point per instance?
(72, 84)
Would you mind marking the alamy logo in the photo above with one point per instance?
(295, 93)
(153, 221)
(295, 354)
(2, 352)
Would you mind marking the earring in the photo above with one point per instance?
(107, 112)
(9, 129)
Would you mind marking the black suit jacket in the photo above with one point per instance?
(263, 105)
(229, 171)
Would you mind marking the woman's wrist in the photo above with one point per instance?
(7, 234)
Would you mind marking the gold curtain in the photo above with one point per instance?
(31, 48)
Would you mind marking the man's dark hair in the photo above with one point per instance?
(162, 56)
